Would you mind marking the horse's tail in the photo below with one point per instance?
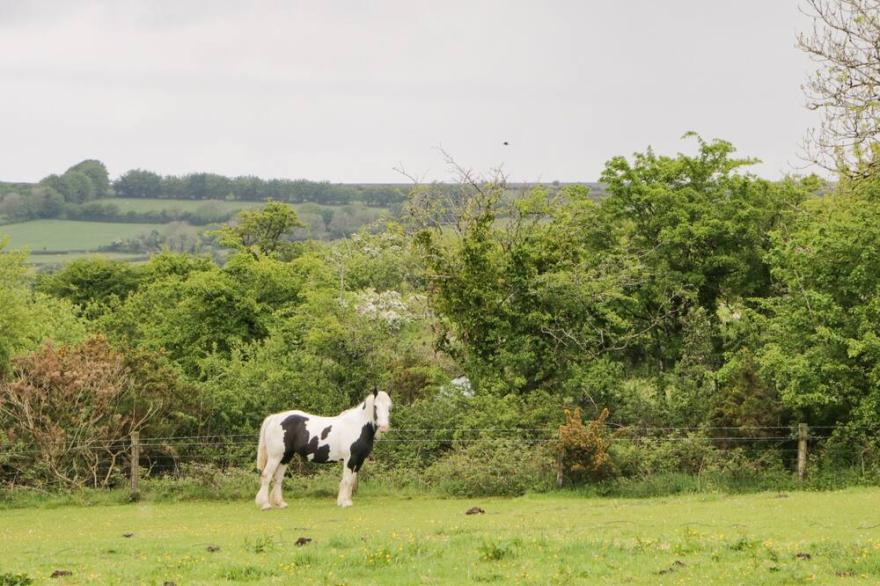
(262, 454)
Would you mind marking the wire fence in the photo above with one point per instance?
(105, 458)
(455, 436)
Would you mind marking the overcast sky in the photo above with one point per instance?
(347, 90)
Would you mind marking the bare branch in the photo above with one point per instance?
(845, 41)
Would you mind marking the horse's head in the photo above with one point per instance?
(382, 410)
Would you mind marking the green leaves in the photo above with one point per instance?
(821, 337)
(267, 231)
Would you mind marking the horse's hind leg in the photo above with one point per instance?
(275, 498)
(266, 475)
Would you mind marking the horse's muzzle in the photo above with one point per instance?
(383, 428)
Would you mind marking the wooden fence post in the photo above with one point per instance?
(135, 461)
(560, 471)
(802, 451)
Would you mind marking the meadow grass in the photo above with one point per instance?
(65, 257)
(155, 204)
(146, 204)
(57, 235)
(559, 538)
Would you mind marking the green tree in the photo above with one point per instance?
(327, 217)
(26, 320)
(92, 283)
(13, 304)
(97, 173)
(267, 231)
(46, 202)
(189, 316)
(821, 342)
(522, 303)
(77, 187)
(138, 183)
(705, 225)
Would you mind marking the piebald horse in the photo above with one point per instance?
(346, 438)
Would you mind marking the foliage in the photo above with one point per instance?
(97, 174)
(492, 466)
(67, 411)
(267, 231)
(702, 225)
(188, 316)
(820, 338)
(691, 295)
(138, 183)
(141, 183)
(583, 449)
(91, 283)
(82, 182)
(27, 319)
(13, 304)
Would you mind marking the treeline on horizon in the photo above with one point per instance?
(141, 183)
(71, 194)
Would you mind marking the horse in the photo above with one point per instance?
(346, 438)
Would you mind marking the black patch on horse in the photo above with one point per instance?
(298, 441)
(326, 432)
(296, 437)
(361, 447)
(320, 454)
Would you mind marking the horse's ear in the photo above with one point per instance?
(375, 391)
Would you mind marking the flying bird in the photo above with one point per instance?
(505, 143)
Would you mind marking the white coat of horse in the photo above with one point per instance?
(347, 438)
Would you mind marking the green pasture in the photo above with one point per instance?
(137, 204)
(59, 235)
(764, 538)
(65, 257)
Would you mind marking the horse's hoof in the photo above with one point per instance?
(345, 504)
(282, 505)
(266, 507)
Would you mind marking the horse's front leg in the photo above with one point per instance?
(345, 486)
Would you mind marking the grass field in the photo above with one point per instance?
(65, 257)
(60, 235)
(765, 538)
(138, 204)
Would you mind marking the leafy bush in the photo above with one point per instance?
(693, 454)
(492, 466)
(583, 449)
(67, 412)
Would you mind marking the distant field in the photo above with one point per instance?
(344, 218)
(82, 237)
(132, 204)
(765, 538)
(67, 235)
(126, 204)
(65, 257)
